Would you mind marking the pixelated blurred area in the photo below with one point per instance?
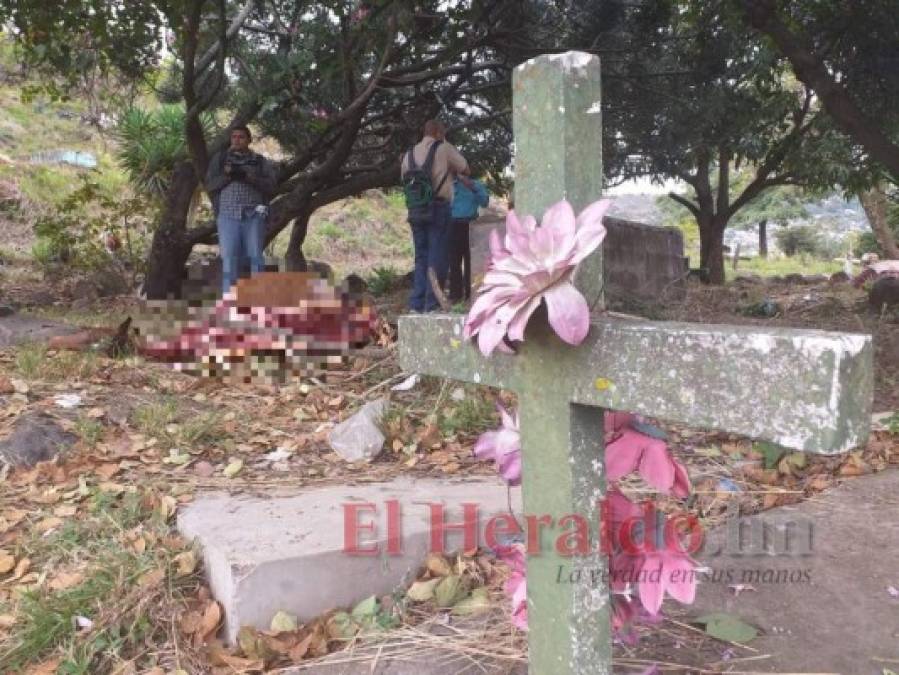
(269, 329)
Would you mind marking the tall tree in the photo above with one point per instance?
(342, 85)
(848, 54)
(691, 92)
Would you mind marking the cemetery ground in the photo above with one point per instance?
(94, 577)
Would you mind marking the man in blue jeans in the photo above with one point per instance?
(240, 183)
(430, 229)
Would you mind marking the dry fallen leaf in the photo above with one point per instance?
(7, 562)
(7, 620)
(46, 668)
(300, 650)
(438, 565)
(186, 563)
(21, 568)
(151, 578)
(65, 510)
(190, 622)
(107, 470)
(47, 524)
(65, 580)
(212, 617)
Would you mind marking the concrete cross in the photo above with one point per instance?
(808, 390)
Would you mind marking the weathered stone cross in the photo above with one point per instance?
(807, 390)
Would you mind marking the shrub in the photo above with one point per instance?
(799, 239)
(382, 280)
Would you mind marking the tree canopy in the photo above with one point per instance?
(342, 86)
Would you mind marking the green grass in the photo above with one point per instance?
(110, 594)
(475, 413)
(153, 418)
(382, 280)
(769, 267)
(89, 430)
(162, 419)
(33, 362)
(766, 267)
(358, 235)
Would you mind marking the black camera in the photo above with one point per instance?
(240, 162)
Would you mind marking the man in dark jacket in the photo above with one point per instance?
(240, 183)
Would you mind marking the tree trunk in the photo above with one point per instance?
(295, 260)
(763, 238)
(711, 248)
(170, 248)
(874, 201)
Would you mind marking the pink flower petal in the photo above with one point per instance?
(497, 250)
(679, 577)
(616, 421)
(590, 231)
(568, 312)
(494, 327)
(656, 466)
(623, 455)
(518, 323)
(517, 237)
(485, 447)
(560, 218)
(507, 419)
(509, 468)
(682, 487)
(652, 590)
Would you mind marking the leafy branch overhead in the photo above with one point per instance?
(342, 89)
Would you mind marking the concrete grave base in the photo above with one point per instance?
(263, 555)
(836, 615)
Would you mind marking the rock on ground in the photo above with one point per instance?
(35, 437)
(885, 291)
(359, 438)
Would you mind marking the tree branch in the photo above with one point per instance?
(811, 70)
(685, 202)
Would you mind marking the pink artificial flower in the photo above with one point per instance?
(516, 586)
(666, 570)
(503, 446)
(633, 451)
(534, 264)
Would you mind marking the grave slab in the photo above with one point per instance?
(288, 552)
(837, 614)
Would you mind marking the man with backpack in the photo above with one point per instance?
(240, 183)
(428, 172)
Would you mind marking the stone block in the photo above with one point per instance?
(644, 262)
(288, 552)
(640, 262)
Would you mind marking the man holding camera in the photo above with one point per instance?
(240, 183)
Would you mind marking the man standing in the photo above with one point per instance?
(468, 196)
(428, 170)
(240, 183)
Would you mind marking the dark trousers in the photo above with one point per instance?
(429, 239)
(459, 260)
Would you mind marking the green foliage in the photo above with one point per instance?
(151, 143)
(778, 205)
(473, 414)
(73, 231)
(382, 280)
(799, 239)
